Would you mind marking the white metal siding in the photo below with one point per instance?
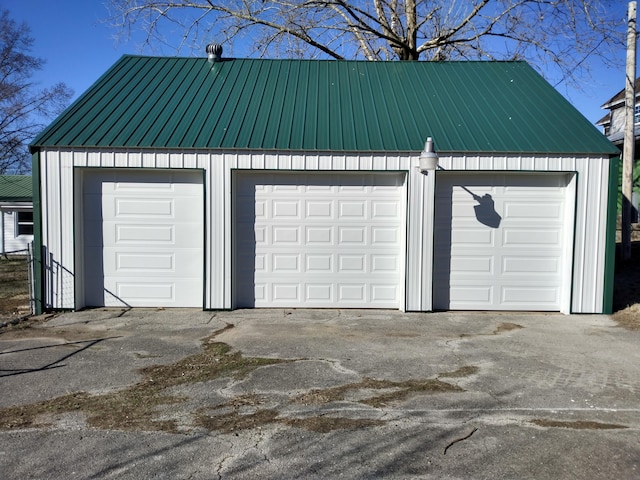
(58, 191)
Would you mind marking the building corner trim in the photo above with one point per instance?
(38, 268)
(610, 246)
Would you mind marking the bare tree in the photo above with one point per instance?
(24, 109)
(557, 36)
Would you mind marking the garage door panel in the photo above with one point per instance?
(287, 292)
(352, 263)
(532, 238)
(385, 235)
(527, 212)
(143, 238)
(142, 292)
(521, 296)
(384, 293)
(320, 292)
(136, 207)
(284, 235)
(319, 263)
(286, 263)
(321, 210)
(352, 236)
(186, 236)
(518, 265)
(351, 293)
(286, 210)
(136, 293)
(352, 210)
(119, 262)
(514, 263)
(148, 210)
(472, 237)
(385, 264)
(471, 296)
(326, 240)
(472, 264)
(319, 235)
(385, 209)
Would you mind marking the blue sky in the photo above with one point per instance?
(79, 46)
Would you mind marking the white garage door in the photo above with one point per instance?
(500, 241)
(143, 238)
(319, 240)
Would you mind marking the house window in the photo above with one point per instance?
(24, 223)
(636, 114)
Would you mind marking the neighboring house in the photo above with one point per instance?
(613, 125)
(295, 183)
(613, 122)
(16, 212)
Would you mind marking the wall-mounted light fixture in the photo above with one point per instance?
(428, 160)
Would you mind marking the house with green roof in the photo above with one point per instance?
(223, 183)
(16, 213)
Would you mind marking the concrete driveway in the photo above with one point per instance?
(319, 394)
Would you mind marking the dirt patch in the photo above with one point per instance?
(324, 424)
(465, 371)
(14, 287)
(507, 327)
(501, 328)
(368, 388)
(34, 327)
(236, 421)
(136, 407)
(577, 424)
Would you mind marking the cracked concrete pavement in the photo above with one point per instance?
(363, 394)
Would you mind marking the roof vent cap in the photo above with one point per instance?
(214, 52)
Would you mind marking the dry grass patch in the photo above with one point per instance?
(465, 371)
(14, 286)
(136, 407)
(394, 391)
(577, 424)
(324, 424)
(629, 317)
(236, 421)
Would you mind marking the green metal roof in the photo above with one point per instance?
(16, 188)
(185, 103)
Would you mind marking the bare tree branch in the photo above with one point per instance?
(556, 36)
(23, 107)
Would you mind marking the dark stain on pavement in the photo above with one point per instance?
(576, 424)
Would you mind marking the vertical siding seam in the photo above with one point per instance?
(584, 229)
(602, 236)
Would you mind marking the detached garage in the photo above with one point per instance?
(242, 183)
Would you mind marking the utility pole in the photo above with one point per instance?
(628, 152)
